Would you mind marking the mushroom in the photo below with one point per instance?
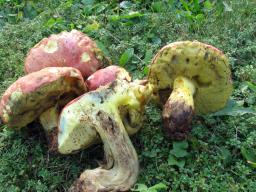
(75, 135)
(50, 118)
(28, 97)
(66, 49)
(106, 75)
(99, 112)
(200, 80)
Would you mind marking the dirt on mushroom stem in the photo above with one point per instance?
(121, 154)
(178, 111)
(99, 111)
(75, 136)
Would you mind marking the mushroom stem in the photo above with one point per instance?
(49, 121)
(102, 111)
(179, 109)
(119, 150)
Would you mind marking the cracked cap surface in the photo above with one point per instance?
(206, 66)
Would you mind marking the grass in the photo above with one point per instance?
(130, 33)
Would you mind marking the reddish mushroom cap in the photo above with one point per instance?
(32, 94)
(66, 49)
(107, 75)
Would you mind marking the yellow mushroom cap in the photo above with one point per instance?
(206, 66)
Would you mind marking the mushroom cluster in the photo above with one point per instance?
(79, 103)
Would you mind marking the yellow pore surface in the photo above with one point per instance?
(206, 66)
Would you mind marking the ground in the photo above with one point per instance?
(220, 153)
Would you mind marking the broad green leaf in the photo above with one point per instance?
(173, 161)
(130, 15)
(233, 109)
(50, 23)
(208, 5)
(251, 86)
(250, 156)
(179, 152)
(181, 163)
(126, 56)
(156, 40)
(179, 149)
(252, 164)
(151, 190)
(159, 186)
(147, 58)
(114, 17)
(140, 187)
(180, 145)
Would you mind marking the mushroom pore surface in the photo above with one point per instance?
(100, 110)
(205, 66)
(200, 80)
(75, 135)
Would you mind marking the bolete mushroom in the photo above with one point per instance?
(76, 133)
(99, 112)
(199, 79)
(66, 49)
(31, 95)
(50, 118)
(106, 75)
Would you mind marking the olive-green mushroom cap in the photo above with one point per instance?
(206, 66)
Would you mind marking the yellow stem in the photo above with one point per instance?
(179, 109)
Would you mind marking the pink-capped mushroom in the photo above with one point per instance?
(66, 49)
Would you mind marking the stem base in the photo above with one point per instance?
(179, 109)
